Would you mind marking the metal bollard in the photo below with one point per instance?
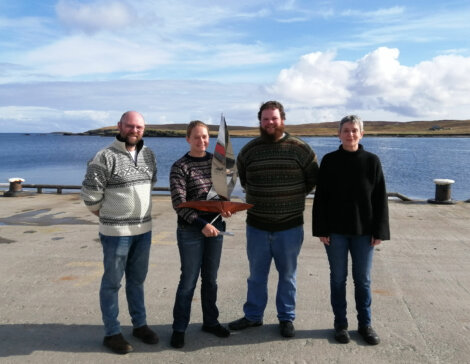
(443, 192)
(15, 188)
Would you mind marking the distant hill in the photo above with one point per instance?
(372, 128)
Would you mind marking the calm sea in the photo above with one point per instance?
(410, 164)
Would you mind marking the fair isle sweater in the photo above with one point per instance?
(277, 176)
(190, 180)
(120, 189)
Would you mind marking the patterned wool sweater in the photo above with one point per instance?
(190, 180)
(121, 189)
(277, 176)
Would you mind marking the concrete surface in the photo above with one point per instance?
(50, 269)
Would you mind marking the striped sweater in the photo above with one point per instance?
(190, 180)
(120, 189)
(276, 177)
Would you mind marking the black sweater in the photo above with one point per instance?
(350, 197)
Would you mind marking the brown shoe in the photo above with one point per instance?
(145, 334)
(118, 344)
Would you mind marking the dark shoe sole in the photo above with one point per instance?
(118, 351)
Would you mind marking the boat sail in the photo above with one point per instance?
(224, 168)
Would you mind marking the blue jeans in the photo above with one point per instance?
(130, 255)
(361, 256)
(198, 254)
(262, 247)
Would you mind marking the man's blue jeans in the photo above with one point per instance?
(262, 247)
(361, 256)
(129, 255)
(198, 254)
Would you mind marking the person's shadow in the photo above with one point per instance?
(24, 339)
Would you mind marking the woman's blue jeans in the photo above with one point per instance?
(361, 256)
(198, 255)
(129, 255)
(262, 247)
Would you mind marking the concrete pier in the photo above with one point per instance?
(50, 269)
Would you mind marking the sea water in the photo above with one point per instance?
(410, 164)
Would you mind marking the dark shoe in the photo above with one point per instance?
(217, 330)
(243, 323)
(145, 334)
(118, 344)
(369, 335)
(342, 335)
(287, 328)
(177, 339)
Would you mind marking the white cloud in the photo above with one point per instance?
(79, 55)
(317, 88)
(316, 80)
(377, 84)
(375, 15)
(96, 16)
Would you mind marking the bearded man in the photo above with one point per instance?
(277, 172)
(118, 189)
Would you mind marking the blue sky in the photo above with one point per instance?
(73, 65)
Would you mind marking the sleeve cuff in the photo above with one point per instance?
(200, 223)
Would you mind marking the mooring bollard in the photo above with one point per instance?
(443, 192)
(15, 187)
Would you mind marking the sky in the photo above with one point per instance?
(69, 65)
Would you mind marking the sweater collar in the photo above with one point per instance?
(206, 157)
(122, 143)
(359, 150)
(284, 137)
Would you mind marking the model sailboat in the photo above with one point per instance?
(224, 177)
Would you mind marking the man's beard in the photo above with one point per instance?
(130, 143)
(278, 132)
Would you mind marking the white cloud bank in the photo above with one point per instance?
(317, 88)
(377, 86)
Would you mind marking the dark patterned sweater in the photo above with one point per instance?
(190, 180)
(351, 198)
(277, 176)
(121, 188)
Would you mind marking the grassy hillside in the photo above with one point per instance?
(378, 128)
